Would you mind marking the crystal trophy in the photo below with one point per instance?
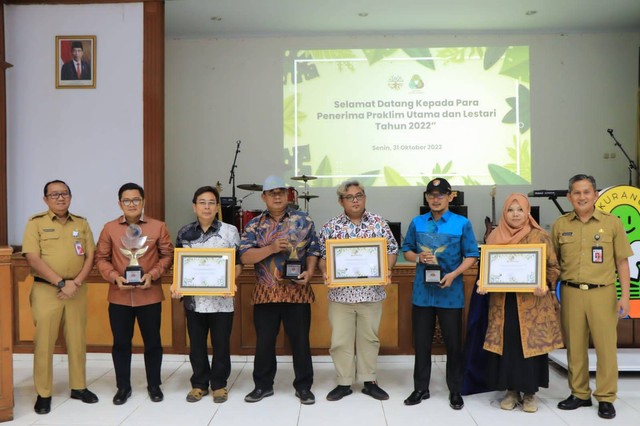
(434, 244)
(134, 248)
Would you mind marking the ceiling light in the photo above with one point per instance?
(216, 18)
(363, 14)
(530, 12)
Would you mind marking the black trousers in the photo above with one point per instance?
(296, 318)
(424, 325)
(218, 326)
(122, 319)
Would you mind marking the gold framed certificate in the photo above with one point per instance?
(356, 262)
(204, 271)
(513, 267)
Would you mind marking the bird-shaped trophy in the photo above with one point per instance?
(133, 241)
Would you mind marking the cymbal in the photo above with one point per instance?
(250, 187)
(308, 196)
(304, 178)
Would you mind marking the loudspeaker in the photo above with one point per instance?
(461, 210)
(535, 213)
(396, 231)
(229, 215)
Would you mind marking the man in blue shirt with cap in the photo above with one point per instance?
(443, 246)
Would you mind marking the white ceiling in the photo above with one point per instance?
(240, 18)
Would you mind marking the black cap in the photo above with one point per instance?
(76, 45)
(439, 184)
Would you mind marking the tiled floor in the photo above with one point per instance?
(283, 409)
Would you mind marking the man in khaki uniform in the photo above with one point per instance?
(591, 246)
(59, 248)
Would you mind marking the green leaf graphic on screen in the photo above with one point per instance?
(368, 180)
(525, 159)
(288, 113)
(375, 55)
(421, 53)
(324, 169)
(502, 176)
(460, 54)
(438, 171)
(510, 117)
(336, 54)
(516, 63)
(493, 55)
(393, 178)
(468, 180)
(305, 70)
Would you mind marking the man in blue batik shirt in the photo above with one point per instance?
(442, 238)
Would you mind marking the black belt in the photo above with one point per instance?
(583, 286)
(42, 280)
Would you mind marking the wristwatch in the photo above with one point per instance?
(60, 284)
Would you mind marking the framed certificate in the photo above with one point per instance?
(204, 271)
(356, 262)
(513, 267)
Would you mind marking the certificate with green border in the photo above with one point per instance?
(204, 271)
(513, 267)
(356, 262)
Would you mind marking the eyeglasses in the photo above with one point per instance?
(353, 198)
(276, 193)
(437, 196)
(204, 203)
(131, 202)
(56, 195)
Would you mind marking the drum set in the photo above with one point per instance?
(292, 197)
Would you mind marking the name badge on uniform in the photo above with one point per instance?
(597, 254)
(79, 248)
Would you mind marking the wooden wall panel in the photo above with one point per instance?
(6, 334)
(395, 328)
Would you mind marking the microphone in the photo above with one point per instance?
(610, 131)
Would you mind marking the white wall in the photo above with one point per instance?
(222, 90)
(90, 138)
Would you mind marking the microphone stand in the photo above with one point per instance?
(632, 164)
(232, 181)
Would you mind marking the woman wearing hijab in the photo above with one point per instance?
(523, 327)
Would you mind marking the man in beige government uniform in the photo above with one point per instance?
(59, 248)
(591, 246)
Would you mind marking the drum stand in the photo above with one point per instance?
(305, 195)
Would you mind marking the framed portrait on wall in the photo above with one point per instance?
(76, 62)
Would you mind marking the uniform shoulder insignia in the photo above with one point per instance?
(77, 216)
(37, 215)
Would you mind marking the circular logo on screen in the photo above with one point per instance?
(624, 201)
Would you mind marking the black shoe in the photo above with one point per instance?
(306, 397)
(374, 391)
(257, 395)
(155, 393)
(574, 402)
(121, 396)
(85, 395)
(455, 400)
(606, 410)
(43, 405)
(339, 392)
(416, 397)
